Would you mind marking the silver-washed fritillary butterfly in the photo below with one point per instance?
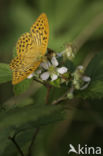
(30, 47)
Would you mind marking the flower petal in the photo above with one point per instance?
(54, 77)
(54, 61)
(45, 65)
(80, 67)
(30, 76)
(86, 78)
(45, 75)
(62, 70)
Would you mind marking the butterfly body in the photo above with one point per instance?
(31, 47)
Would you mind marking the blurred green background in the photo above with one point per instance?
(67, 22)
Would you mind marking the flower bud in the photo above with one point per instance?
(70, 95)
(68, 53)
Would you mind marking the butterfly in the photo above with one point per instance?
(30, 48)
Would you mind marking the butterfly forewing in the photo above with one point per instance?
(24, 43)
(30, 47)
(40, 32)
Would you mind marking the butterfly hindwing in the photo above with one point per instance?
(19, 74)
(15, 63)
(23, 67)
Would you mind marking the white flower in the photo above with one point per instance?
(80, 67)
(54, 77)
(52, 70)
(54, 61)
(87, 80)
(62, 70)
(45, 76)
(45, 65)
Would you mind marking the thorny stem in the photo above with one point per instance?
(64, 97)
(47, 85)
(59, 100)
(16, 145)
(88, 31)
(18, 132)
(32, 142)
(42, 82)
(38, 81)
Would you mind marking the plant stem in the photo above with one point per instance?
(32, 142)
(59, 100)
(38, 81)
(46, 84)
(17, 146)
(47, 95)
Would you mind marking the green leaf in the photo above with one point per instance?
(28, 116)
(22, 86)
(25, 118)
(95, 72)
(95, 90)
(5, 73)
(40, 96)
(95, 67)
(56, 83)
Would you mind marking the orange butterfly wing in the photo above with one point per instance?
(30, 48)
